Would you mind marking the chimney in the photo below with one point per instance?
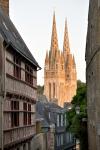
(4, 4)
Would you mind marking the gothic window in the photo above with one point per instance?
(53, 90)
(17, 67)
(14, 113)
(28, 74)
(49, 90)
(68, 76)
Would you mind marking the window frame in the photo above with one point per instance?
(26, 113)
(14, 113)
(17, 67)
(28, 74)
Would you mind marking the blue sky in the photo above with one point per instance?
(33, 19)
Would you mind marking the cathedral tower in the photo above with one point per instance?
(60, 70)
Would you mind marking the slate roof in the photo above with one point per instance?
(13, 38)
(43, 108)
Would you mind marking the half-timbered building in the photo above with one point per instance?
(18, 86)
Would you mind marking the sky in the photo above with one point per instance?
(33, 19)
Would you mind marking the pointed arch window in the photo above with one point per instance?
(49, 90)
(53, 90)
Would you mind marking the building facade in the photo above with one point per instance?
(93, 74)
(18, 87)
(54, 124)
(60, 79)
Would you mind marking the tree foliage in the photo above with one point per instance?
(77, 124)
(40, 90)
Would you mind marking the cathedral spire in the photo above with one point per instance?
(66, 48)
(74, 61)
(47, 57)
(54, 40)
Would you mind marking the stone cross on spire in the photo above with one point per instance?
(54, 39)
(66, 47)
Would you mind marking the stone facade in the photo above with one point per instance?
(93, 74)
(60, 79)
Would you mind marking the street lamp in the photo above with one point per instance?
(77, 109)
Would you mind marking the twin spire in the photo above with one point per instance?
(54, 39)
(66, 48)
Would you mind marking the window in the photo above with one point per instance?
(61, 139)
(28, 74)
(24, 146)
(17, 68)
(65, 120)
(27, 114)
(53, 90)
(57, 138)
(49, 90)
(58, 120)
(61, 119)
(14, 113)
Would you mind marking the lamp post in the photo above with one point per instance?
(83, 129)
(77, 109)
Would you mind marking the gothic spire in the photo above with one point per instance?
(74, 61)
(47, 57)
(54, 40)
(66, 48)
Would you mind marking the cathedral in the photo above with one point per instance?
(60, 77)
